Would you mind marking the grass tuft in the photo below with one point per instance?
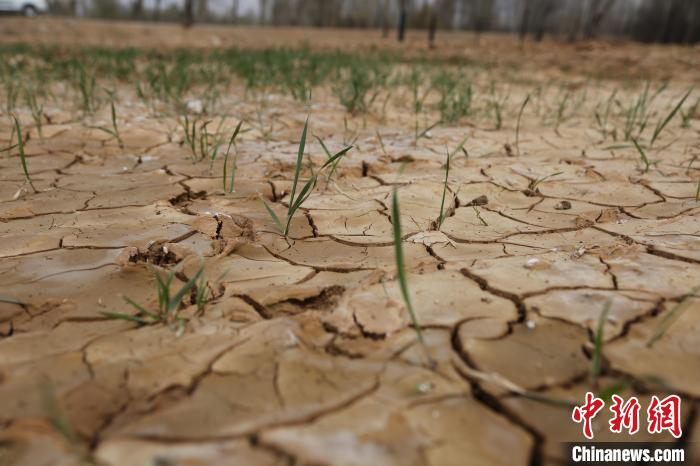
(296, 201)
(532, 188)
(663, 123)
(231, 142)
(672, 316)
(517, 126)
(596, 360)
(441, 218)
(400, 265)
(642, 155)
(169, 303)
(114, 130)
(22, 156)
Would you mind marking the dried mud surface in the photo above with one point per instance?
(306, 354)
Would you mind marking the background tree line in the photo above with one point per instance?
(666, 21)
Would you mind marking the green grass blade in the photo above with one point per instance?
(201, 297)
(22, 156)
(56, 417)
(517, 126)
(224, 177)
(336, 157)
(400, 266)
(672, 316)
(642, 154)
(323, 145)
(177, 299)
(460, 147)
(303, 196)
(297, 172)
(332, 159)
(423, 133)
(444, 192)
(141, 309)
(231, 141)
(381, 143)
(9, 148)
(598, 343)
(122, 316)
(537, 182)
(9, 300)
(163, 291)
(660, 127)
(274, 216)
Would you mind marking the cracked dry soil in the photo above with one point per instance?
(305, 354)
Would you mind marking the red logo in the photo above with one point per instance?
(625, 415)
(665, 415)
(587, 412)
(662, 415)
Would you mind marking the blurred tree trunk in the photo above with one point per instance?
(188, 19)
(525, 20)
(598, 10)
(202, 10)
(446, 11)
(482, 13)
(692, 32)
(577, 21)
(137, 9)
(675, 21)
(432, 27)
(263, 11)
(156, 11)
(402, 20)
(544, 10)
(385, 18)
(234, 11)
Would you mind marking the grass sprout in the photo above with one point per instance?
(561, 109)
(645, 160)
(517, 126)
(479, 217)
(334, 164)
(114, 130)
(86, 86)
(690, 114)
(663, 123)
(381, 143)
(672, 316)
(22, 156)
(296, 201)
(532, 188)
(197, 139)
(10, 300)
(596, 360)
(36, 109)
(443, 214)
(456, 95)
(58, 421)
(400, 264)
(419, 134)
(231, 142)
(169, 303)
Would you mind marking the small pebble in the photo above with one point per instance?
(424, 387)
(563, 205)
(532, 262)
